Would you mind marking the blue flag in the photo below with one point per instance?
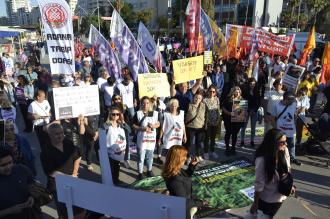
(103, 50)
(206, 31)
(127, 46)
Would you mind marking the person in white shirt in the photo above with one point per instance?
(116, 141)
(145, 122)
(39, 112)
(173, 130)
(126, 90)
(283, 118)
(272, 97)
(302, 106)
(102, 80)
(108, 91)
(278, 65)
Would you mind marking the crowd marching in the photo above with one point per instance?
(192, 116)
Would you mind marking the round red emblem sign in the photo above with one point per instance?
(55, 15)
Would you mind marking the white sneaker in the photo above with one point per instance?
(206, 156)
(200, 159)
(214, 155)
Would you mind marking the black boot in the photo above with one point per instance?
(233, 151)
(227, 150)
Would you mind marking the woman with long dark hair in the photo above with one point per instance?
(272, 161)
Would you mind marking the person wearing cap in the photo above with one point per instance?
(283, 117)
(272, 97)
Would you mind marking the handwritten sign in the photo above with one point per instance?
(188, 69)
(153, 84)
(70, 102)
(208, 57)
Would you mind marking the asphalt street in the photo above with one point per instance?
(312, 180)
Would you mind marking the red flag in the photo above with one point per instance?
(158, 59)
(325, 75)
(193, 13)
(309, 46)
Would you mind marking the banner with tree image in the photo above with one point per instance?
(223, 185)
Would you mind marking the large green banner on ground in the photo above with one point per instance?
(224, 185)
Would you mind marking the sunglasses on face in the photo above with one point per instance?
(115, 114)
(282, 143)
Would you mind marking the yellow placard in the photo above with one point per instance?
(151, 84)
(188, 69)
(208, 57)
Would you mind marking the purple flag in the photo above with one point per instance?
(105, 53)
(127, 46)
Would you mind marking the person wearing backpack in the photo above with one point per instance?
(283, 118)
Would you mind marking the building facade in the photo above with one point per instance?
(248, 12)
(18, 11)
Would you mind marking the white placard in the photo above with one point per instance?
(117, 202)
(70, 102)
(292, 76)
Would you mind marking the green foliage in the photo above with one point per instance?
(127, 13)
(162, 22)
(145, 15)
(86, 22)
(317, 5)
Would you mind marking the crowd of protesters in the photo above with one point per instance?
(192, 117)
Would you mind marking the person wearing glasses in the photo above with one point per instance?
(272, 161)
(117, 101)
(213, 120)
(116, 140)
(284, 118)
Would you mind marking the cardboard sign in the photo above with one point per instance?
(153, 84)
(188, 69)
(70, 102)
(266, 41)
(208, 59)
(240, 111)
(292, 76)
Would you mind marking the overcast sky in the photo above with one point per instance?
(3, 5)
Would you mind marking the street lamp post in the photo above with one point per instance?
(98, 14)
(298, 16)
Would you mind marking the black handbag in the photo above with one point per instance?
(40, 194)
(285, 184)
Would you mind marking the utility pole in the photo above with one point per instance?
(98, 14)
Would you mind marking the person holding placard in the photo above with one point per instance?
(126, 90)
(173, 130)
(145, 122)
(232, 128)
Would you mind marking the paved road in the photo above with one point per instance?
(312, 180)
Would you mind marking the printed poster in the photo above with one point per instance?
(70, 102)
(240, 111)
(151, 84)
(188, 69)
(208, 59)
(292, 76)
(221, 184)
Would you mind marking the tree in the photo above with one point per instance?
(86, 23)
(208, 7)
(315, 7)
(162, 22)
(127, 13)
(144, 15)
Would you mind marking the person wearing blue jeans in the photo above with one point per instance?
(292, 148)
(147, 155)
(252, 94)
(253, 120)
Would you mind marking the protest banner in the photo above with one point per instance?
(208, 59)
(266, 41)
(292, 76)
(240, 111)
(221, 184)
(70, 102)
(188, 69)
(193, 18)
(57, 21)
(153, 84)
